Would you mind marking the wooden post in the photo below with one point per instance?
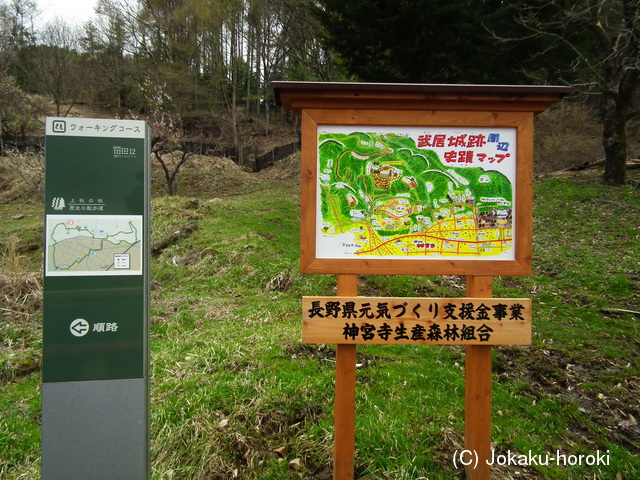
(477, 402)
(345, 406)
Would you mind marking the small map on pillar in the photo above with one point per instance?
(93, 245)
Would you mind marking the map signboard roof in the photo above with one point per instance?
(534, 98)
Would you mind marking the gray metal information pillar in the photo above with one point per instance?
(95, 378)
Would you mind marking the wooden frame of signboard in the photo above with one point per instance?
(521, 122)
(405, 106)
(390, 106)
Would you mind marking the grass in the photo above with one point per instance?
(235, 394)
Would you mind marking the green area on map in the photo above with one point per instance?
(399, 200)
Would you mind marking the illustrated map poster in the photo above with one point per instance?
(416, 192)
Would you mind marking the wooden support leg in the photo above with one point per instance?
(345, 406)
(477, 404)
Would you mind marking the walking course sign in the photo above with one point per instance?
(95, 390)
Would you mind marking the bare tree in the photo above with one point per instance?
(17, 18)
(166, 142)
(603, 37)
(107, 49)
(58, 67)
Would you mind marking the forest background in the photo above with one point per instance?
(198, 70)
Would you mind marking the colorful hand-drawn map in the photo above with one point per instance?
(416, 193)
(82, 245)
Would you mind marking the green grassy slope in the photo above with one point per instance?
(235, 394)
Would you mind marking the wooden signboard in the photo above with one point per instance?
(416, 321)
(414, 179)
(409, 193)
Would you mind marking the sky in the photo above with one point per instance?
(72, 11)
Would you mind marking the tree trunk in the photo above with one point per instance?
(614, 141)
(620, 81)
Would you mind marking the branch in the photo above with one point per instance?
(595, 15)
(633, 114)
(564, 22)
(183, 231)
(617, 45)
(176, 168)
(162, 162)
(631, 164)
(619, 311)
